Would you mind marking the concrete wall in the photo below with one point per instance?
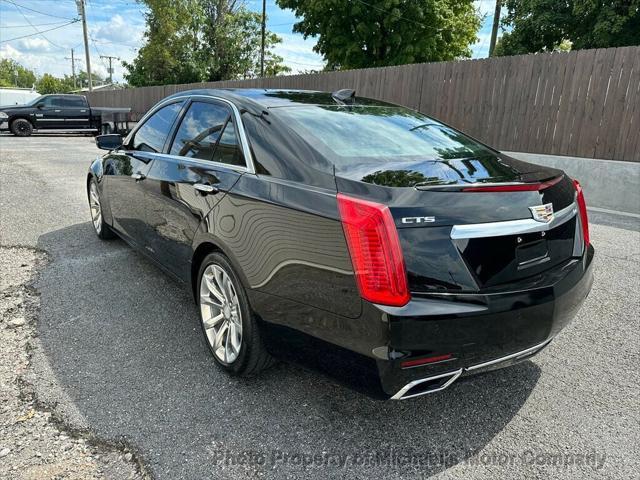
(608, 184)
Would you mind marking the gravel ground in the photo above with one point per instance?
(34, 445)
(118, 355)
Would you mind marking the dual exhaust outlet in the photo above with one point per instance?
(437, 383)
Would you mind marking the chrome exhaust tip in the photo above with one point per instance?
(427, 385)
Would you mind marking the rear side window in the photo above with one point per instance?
(207, 132)
(228, 150)
(151, 136)
(71, 102)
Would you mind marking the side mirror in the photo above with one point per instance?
(109, 142)
(39, 106)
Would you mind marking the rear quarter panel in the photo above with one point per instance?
(288, 243)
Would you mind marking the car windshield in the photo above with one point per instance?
(34, 101)
(378, 134)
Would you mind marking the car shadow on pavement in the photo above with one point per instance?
(123, 340)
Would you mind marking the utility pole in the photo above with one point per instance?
(264, 21)
(83, 14)
(494, 29)
(73, 68)
(110, 58)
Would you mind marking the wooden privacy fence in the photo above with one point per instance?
(584, 103)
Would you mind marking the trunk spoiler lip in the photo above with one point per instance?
(493, 186)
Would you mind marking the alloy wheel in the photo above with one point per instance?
(96, 209)
(221, 314)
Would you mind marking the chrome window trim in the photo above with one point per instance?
(244, 142)
(512, 227)
(199, 161)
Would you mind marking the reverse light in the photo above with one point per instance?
(582, 206)
(375, 251)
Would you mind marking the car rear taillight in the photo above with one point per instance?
(375, 250)
(584, 220)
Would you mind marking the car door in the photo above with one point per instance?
(50, 113)
(76, 112)
(126, 171)
(203, 162)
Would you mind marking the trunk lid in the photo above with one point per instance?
(454, 238)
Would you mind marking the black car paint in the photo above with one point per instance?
(83, 117)
(279, 225)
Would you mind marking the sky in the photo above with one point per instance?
(116, 28)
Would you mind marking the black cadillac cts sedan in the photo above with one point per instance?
(347, 228)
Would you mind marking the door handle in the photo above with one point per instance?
(205, 189)
(57, 111)
(138, 177)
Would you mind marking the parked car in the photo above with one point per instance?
(62, 113)
(385, 237)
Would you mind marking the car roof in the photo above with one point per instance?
(270, 98)
(62, 95)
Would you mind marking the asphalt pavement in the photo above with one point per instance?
(121, 354)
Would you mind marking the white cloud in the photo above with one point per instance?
(34, 45)
(7, 51)
(298, 53)
(118, 30)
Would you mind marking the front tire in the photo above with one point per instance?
(21, 127)
(103, 230)
(229, 327)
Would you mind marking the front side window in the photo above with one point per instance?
(50, 102)
(200, 130)
(207, 132)
(151, 136)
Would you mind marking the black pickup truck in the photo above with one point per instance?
(62, 113)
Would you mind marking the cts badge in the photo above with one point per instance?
(542, 213)
(412, 220)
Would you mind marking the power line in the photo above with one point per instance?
(31, 25)
(37, 11)
(40, 33)
(110, 58)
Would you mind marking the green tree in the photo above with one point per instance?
(374, 33)
(199, 40)
(82, 80)
(49, 84)
(545, 25)
(273, 65)
(12, 74)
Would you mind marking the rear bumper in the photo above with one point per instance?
(480, 332)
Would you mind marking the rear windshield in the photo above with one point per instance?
(376, 134)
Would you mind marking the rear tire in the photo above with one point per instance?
(103, 230)
(230, 329)
(21, 127)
